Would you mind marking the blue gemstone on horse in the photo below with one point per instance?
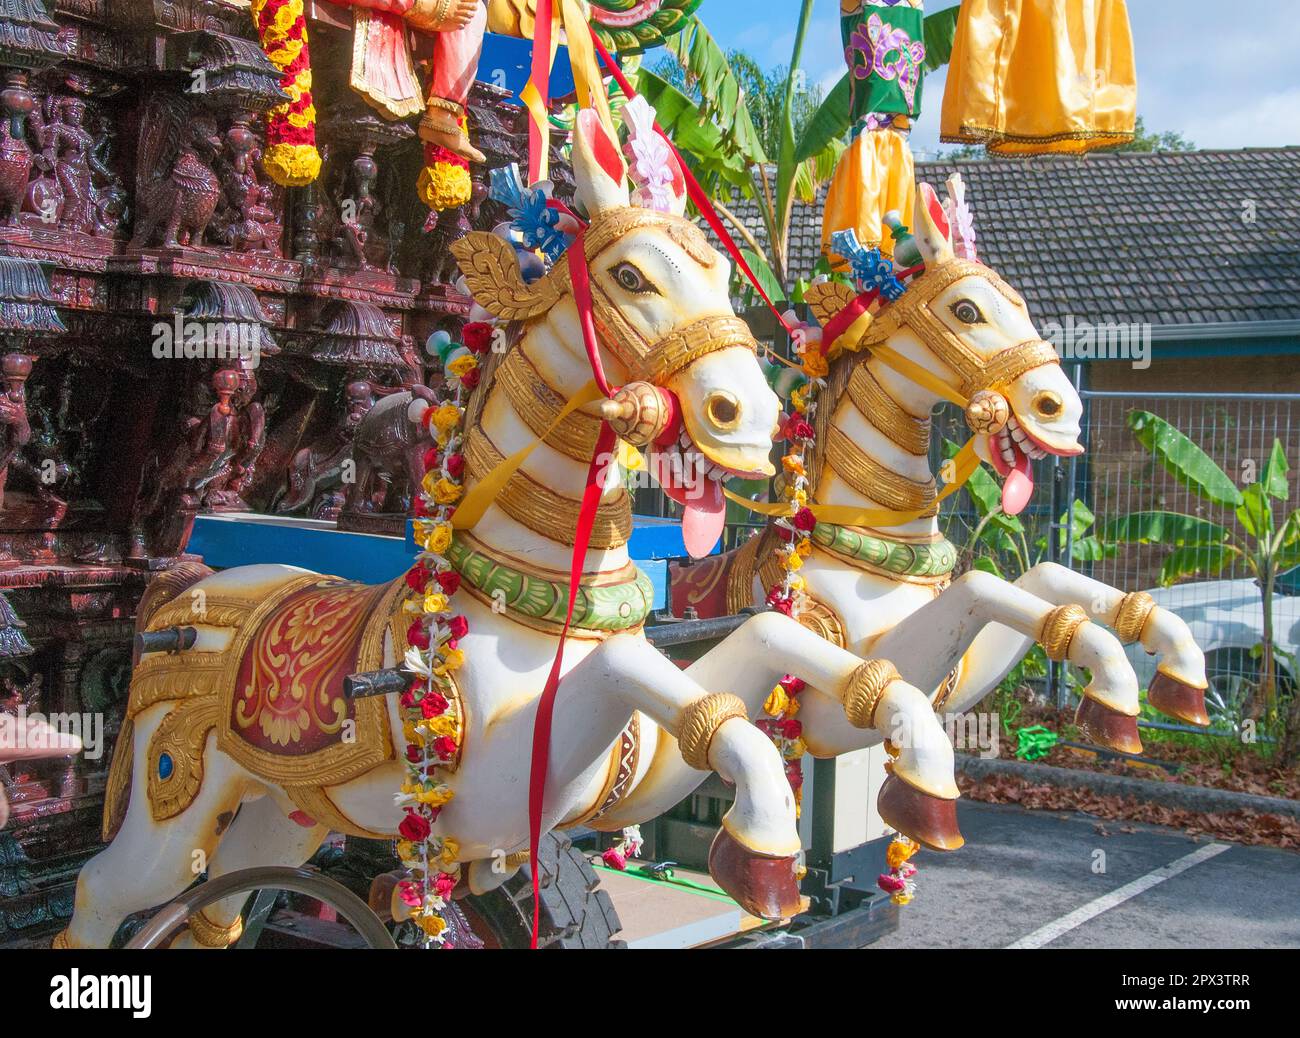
(165, 766)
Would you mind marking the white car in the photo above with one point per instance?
(1226, 618)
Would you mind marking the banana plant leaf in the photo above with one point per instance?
(1203, 561)
(1171, 528)
(829, 123)
(722, 100)
(1255, 513)
(693, 133)
(1275, 473)
(759, 265)
(1183, 460)
(1288, 552)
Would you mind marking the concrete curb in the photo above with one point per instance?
(1171, 794)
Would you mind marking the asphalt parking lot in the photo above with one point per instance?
(1067, 880)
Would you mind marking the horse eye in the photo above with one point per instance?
(967, 312)
(631, 279)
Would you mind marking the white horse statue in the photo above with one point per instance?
(888, 592)
(242, 751)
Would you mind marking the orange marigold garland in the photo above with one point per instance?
(898, 881)
(290, 158)
(444, 182)
(795, 544)
(430, 725)
(786, 731)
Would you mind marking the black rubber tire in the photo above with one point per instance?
(575, 913)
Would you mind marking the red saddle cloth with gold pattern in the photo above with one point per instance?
(288, 716)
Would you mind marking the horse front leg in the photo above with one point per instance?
(1178, 689)
(756, 854)
(918, 799)
(989, 625)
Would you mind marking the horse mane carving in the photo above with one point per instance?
(494, 279)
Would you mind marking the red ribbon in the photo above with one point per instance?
(839, 324)
(580, 277)
(696, 193)
(540, 78)
(546, 705)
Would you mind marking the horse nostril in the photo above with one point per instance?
(723, 409)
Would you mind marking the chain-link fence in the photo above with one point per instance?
(1136, 521)
(1212, 571)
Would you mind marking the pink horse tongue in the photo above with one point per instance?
(705, 511)
(706, 514)
(1018, 486)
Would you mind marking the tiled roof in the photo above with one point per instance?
(1162, 238)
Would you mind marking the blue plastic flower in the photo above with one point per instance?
(530, 213)
(870, 268)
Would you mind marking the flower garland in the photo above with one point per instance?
(786, 731)
(794, 531)
(898, 881)
(444, 182)
(431, 728)
(795, 528)
(291, 158)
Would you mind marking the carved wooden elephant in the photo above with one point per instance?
(388, 447)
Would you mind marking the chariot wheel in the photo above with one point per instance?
(575, 912)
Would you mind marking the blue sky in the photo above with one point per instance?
(1225, 75)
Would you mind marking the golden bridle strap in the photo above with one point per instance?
(974, 371)
(914, 310)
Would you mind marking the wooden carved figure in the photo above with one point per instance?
(176, 189)
(316, 472)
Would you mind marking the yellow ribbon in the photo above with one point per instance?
(484, 492)
(966, 462)
(923, 377)
(587, 79)
(531, 96)
(582, 58)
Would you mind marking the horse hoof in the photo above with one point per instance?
(929, 820)
(1180, 701)
(1103, 726)
(765, 887)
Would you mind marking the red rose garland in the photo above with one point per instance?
(429, 724)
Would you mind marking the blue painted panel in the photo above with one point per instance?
(655, 538)
(229, 541)
(507, 62)
(225, 542)
(657, 571)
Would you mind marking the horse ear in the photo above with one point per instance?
(597, 165)
(931, 228)
(677, 186)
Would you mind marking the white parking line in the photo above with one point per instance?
(1046, 934)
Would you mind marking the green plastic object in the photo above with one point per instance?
(1034, 742)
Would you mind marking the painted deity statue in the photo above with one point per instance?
(245, 748)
